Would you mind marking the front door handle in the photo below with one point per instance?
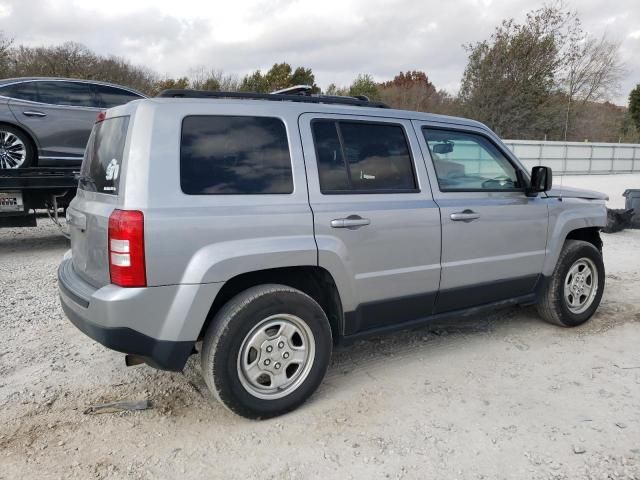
(34, 113)
(351, 222)
(464, 216)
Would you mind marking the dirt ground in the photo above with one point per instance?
(498, 396)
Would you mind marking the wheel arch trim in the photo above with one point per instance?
(568, 221)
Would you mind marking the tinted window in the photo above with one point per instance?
(234, 155)
(360, 156)
(334, 175)
(21, 91)
(466, 161)
(101, 167)
(66, 93)
(112, 97)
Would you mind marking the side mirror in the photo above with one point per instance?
(541, 180)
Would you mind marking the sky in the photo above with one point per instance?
(338, 39)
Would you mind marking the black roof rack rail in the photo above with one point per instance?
(275, 97)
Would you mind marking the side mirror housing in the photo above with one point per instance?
(541, 180)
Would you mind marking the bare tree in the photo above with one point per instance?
(592, 74)
(203, 78)
(5, 54)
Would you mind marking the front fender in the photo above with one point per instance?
(565, 216)
(219, 262)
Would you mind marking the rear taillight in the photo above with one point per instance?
(126, 248)
(101, 116)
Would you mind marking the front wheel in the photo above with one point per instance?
(575, 289)
(266, 351)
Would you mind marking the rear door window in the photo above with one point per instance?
(101, 167)
(234, 155)
(67, 93)
(363, 157)
(112, 97)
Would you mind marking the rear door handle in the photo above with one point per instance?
(352, 222)
(464, 216)
(34, 113)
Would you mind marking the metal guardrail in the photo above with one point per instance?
(578, 157)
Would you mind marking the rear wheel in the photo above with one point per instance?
(575, 289)
(266, 351)
(16, 149)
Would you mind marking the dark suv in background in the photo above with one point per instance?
(47, 121)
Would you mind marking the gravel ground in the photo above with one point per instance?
(498, 396)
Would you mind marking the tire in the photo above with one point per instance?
(266, 318)
(555, 306)
(16, 148)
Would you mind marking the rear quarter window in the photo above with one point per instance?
(110, 97)
(234, 155)
(101, 167)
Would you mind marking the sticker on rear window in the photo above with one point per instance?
(113, 169)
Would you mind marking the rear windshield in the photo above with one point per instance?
(100, 170)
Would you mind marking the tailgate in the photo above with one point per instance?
(97, 196)
(88, 221)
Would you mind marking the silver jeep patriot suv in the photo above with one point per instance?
(271, 227)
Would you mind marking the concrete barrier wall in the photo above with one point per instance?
(578, 157)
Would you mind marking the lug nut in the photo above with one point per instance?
(285, 355)
(267, 361)
(281, 345)
(269, 349)
(277, 365)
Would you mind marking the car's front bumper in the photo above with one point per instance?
(159, 324)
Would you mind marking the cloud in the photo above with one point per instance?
(338, 39)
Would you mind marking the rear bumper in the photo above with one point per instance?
(161, 354)
(160, 324)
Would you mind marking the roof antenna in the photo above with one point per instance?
(295, 90)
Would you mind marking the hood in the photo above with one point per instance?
(572, 192)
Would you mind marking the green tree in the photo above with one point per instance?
(334, 90)
(171, 83)
(255, 82)
(634, 106)
(279, 76)
(304, 76)
(511, 78)
(365, 85)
